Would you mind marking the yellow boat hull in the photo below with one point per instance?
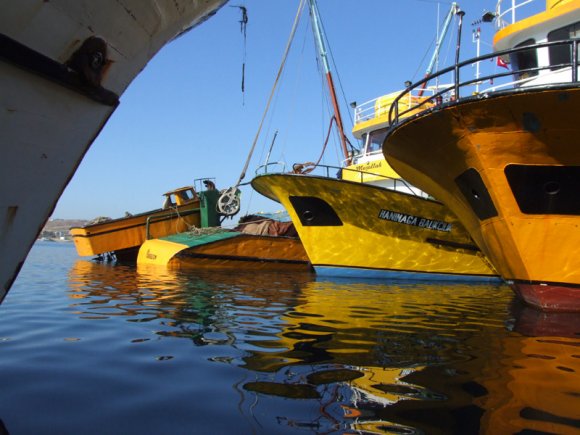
(508, 167)
(362, 230)
(229, 250)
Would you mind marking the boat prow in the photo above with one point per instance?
(505, 162)
(58, 90)
(362, 230)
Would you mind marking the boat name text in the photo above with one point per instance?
(367, 166)
(416, 221)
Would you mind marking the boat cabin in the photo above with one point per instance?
(182, 196)
(371, 125)
(543, 64)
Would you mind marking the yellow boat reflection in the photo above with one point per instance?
(369, 357)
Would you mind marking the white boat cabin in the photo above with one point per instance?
(545, 64)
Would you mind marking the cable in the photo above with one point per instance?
(288, 45)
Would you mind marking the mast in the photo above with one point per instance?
(318, 34)
(452, 11)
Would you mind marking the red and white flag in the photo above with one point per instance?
(501, 62)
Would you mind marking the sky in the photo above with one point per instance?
(185, 117)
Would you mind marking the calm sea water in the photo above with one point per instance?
(102, 349)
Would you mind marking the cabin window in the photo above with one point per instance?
(524, 59)
(560, 54)
(364, 140)
(376, 139)
(185, 194)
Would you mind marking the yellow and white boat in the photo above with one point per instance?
(369, 222)
(503, 159)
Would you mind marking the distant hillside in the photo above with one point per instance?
(63, 224)
(59, 228)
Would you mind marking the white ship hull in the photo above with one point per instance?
(50, 114)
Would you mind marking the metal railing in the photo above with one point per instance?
(264, 168)
(159, 217)
(363, 177)
(507, 16)
(527, 78)
(372, 109)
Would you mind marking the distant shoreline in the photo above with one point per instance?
(58, 230)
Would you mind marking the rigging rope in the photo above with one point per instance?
(229, 201)
(285, 56)
(305, 168)
(243, 25)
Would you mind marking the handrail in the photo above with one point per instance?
(368, 110)
(327, 168)
(395, 116)
(265, 167)
(151, 218)
(500, 22)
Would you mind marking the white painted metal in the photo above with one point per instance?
(45, 129)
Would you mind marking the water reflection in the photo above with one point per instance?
(534, 383)
(359, 357)
(204, 307)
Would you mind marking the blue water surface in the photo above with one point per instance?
(98, 348)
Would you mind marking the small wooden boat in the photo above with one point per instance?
(257, 244)
(504, 159)
(182, 209)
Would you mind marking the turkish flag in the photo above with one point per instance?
(501, 62)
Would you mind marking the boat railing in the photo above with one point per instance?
(265, 168)
(510, 13)
(200, 183)
(528, 78)
(365, 177)
(365, 111)
(336, 172)
(376, 107)
(151, 219)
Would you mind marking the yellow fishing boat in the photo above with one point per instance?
(369, 222)
(503, 159)
(123, 237)
(355, 229)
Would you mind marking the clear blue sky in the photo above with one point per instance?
(184, 117)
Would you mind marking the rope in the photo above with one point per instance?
(305, 168)
(333, 119)
(195, 231)
(288, 45)
(243, 25)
